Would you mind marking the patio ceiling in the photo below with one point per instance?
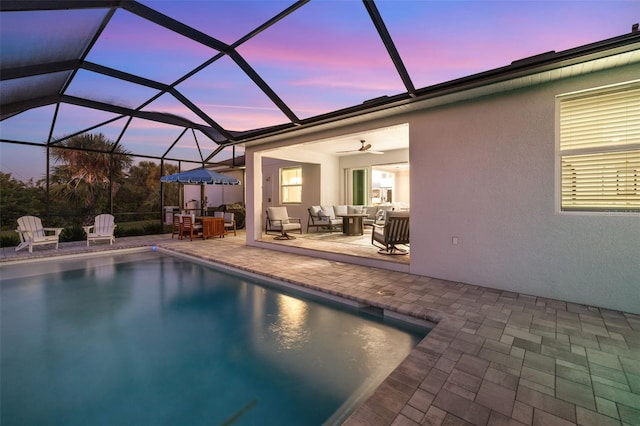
(195, 80)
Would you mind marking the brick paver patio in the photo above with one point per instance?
(494, 357)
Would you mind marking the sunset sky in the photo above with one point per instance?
(324, 56)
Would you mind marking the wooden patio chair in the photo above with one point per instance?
(230, 222)
(175, 226)
(189, 227)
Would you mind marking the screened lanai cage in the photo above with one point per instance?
(100, 98)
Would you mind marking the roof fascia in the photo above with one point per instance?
(519, 68)
(538, 63)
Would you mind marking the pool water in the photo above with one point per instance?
(149, 339)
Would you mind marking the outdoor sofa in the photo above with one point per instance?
(326, 217)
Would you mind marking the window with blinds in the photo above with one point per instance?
(599, 140)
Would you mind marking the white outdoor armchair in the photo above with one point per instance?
(278, 220)
(32, 233)
(102, 229)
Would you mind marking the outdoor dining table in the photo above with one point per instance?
(211, 226)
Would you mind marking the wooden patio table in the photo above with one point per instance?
(211, 226)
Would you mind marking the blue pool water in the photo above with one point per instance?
(149, 339)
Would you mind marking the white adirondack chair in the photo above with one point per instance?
(102, 229)
(32, 233)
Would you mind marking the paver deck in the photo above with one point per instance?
(494, 357)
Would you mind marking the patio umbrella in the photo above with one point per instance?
(200, 176)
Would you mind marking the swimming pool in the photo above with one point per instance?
(147, 338)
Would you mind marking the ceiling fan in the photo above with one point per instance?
(365, 147)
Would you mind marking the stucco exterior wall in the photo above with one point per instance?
(483, 171)
(487, 177)
(218, 194)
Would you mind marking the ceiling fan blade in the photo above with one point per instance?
(365, 148)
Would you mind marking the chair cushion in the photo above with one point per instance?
(327, 212)
(342, 209)
(371, 211)
(315, 210)
(291, 226)
(278, 214)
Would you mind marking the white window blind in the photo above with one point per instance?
(600, 150)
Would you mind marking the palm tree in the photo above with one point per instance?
(89, 165)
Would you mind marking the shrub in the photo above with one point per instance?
(72, 233)
(9, 239)
(153, 228)
(129, 231)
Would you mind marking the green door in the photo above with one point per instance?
(359, 189)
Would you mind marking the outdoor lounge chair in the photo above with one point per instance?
(278, 220)
(394, 232)
(102, 229)
(32, 233)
